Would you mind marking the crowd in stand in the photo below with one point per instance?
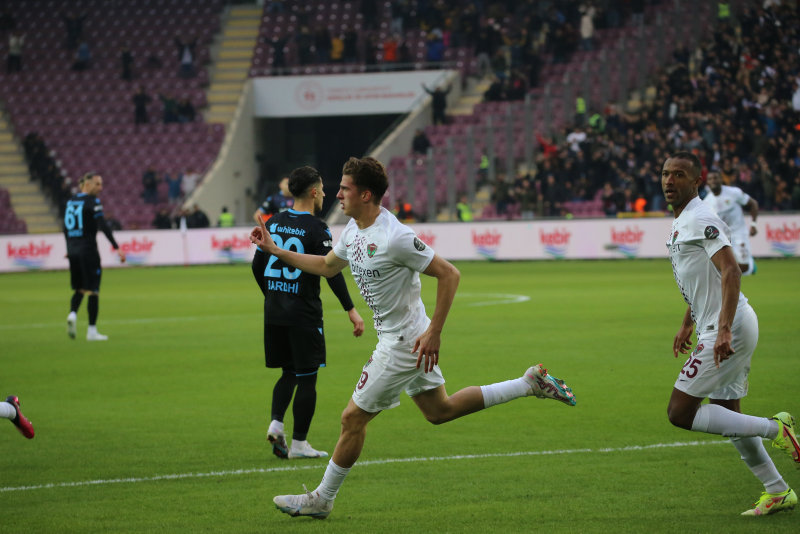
(44, 170)
(507, 38)
(734, 101)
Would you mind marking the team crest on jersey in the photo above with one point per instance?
(372, 248)
(674, 237)
(711, 232)
(698, 349)
(419, 245)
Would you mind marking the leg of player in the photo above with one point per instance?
(319, 503)
(439, 407)
(10, 410)
(723, 417)
(94, 308)
(303, 407)
(281, 398)
(72, 318)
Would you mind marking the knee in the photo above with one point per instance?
(436, 418)
(679, 418)
(351, 422)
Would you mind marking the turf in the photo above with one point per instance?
(180, 389)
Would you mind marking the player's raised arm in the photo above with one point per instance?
(327, 266)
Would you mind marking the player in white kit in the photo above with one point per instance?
(386, 258)
(729, 203)
(727, 332)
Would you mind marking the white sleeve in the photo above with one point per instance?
(410, 251)
(710, 233)
(340, 248)
(741, 197)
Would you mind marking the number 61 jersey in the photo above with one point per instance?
(292, 296)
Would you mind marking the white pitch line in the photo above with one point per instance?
(263, 470)
(496, 298)
(143, 320)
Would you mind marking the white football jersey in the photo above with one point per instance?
(697, 234)
(728, 206)
(386, 259)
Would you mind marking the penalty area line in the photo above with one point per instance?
(386, 461)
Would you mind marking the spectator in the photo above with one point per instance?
(82, 57)
(226, 219)
(197, 218)
(350, 51)
(162, 220)
(126, 59)
(170, 108)
(14, 57)
(337, 48)
(420, 144)
(279, 201)
(304, 42)
(464, 209)
(434, 48)
(278, 45)
(370, 51)
(404, 212)
(74, 27)
(113, 222)
(150, 186)
(182, 220)
(185, 111)
(189, 181)
(173, 186)
(140, 101)
(439, 104)
(186, 51)
(390, 46)
(323, 44)
(588, 12)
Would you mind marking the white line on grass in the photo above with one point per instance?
(495, 298)
(260, 470)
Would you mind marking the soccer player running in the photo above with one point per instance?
(385, 258)
(727, 332)
(9, 409)
(293, 336)
(82, 218)
(729, 203)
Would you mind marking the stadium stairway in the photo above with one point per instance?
(470, 97)
(27, 199)
(234, 55)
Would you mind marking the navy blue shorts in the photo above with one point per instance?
(85, 271)
(299, 347)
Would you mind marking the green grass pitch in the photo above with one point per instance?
(161, 429)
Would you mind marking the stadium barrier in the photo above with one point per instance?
(778, 236)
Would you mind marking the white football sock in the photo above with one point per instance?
(275, 427)
(756, 458)
(714, 419)
(332, 481)
(7, 410)
(501, 392)
(92, 329)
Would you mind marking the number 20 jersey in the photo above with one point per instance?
(292, 296)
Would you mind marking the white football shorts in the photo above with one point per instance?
(391, 370)
(701, 378)
(740, 242)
